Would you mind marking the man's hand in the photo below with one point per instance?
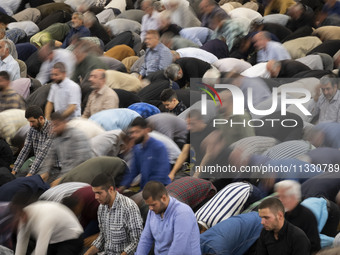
(29, 174)
(317, 93)
(123, 253)
(13, 172)
(121, 189)
(171, 176)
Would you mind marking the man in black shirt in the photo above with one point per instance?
(278, 236)
(289, 193)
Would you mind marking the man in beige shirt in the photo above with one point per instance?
(102, 97)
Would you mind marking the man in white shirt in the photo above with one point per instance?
(55, 228)
(50, 55)
(7, 62)
(64, 95)
(150, 20)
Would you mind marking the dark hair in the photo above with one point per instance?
(274, 205)
(57, 116)
(22, 199)
(5, 75)
(34, 111)
(71, 202)
(139, 122)
(60, 66)
(168, 95)
(103, 180)
(155, 190)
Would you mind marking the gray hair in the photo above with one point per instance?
(292, 188)
(11, 46)
(171, 71)
(329, 78)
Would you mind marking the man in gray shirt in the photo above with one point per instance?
(327, 105)
(70, 146)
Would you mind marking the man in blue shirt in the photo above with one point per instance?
(157, 56)
(171, 225)
(78, 29)
(150, 157)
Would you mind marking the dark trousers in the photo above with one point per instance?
(69, 247)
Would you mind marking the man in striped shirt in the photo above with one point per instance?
(120, 222)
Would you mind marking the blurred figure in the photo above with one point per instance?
(150, 20)
(54, 227)
(50, 55)
(70, 146)
(268, 49)
(210, 9)
(9, 99)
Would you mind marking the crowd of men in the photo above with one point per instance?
(169, 127)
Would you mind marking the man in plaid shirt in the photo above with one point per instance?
(120, 222)
(38, 138)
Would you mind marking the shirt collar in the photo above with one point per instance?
(7, 59)
(116, 202)
(283, 230)
(101, 91)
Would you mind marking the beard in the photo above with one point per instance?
(140, 139)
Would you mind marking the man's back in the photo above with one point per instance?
(48, 222)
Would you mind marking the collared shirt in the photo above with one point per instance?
(226, 203)
(10, 65)
(199, 35)
(175, 234)
(328, 110)
(103, 99)
(64, 94)
(59, 55)
(106, 144)
(29, 27)
(120, 227)
(273, 50)
(291, 240)
(71, 149)
(156, 59)
(38, 140)
(149, 23)
(151, 161)
(79, 31)
(10, 99)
